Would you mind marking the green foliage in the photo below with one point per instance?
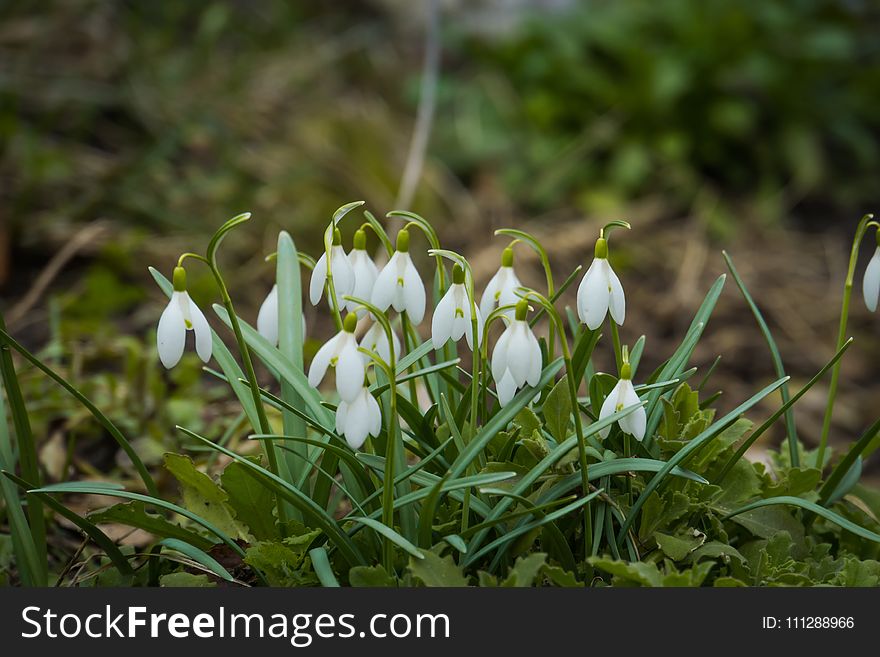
(697, 100)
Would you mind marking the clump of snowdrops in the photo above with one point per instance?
(443, 436)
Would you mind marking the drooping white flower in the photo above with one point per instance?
(375, 339)
(501, 289)
(600, 291)
(340, 352)
(621, 396)
(364, 272)
(181, 315)
(452, 316)
(340, 267)
(516, 359)
(399, 284)
(358, 418)
(267, 318)
(871, 283)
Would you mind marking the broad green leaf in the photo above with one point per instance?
(557, 410)
(251, 502)
(525, 570)
(135, 514)
(679, 546)
(281, 564)
(203, 496)
(434, 570)
(185, 580)
(371, 577)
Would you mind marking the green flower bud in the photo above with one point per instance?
(403, 241)
(626, 371)
(507, 257)
(457, 274)
(179, 279)
(360, 240)
(337, 237)
(601, 248)
(349, 324)
(522, 310)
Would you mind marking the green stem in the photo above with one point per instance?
(575, 407)
(27, 451)
(615, 337)
(841, 337)
(251, 375)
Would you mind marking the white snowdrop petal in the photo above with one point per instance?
(341, 416)
(375, 421)
(319, 278)
(506, 388)
(343, 276)
(267, 318)
(520, 349)
(487, 301)
(171, 333)
(349, 371)
(202, 331)
(533, 376)
(322, 359)
(414, 294)
(594, 296)
(365, 274)
(617, 301)
(609, 406)
(499, 355)
(443, 319)
(871, 282)
(385, 286)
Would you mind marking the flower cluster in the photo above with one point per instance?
(516, 360)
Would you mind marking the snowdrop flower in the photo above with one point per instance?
(399, 284)
(600, 291)
(340, 352)
(501, 289)
(267, 318)
(340, 267)
(871, 284)
(181, 315)
(622, 395)
(452, 317)
(364, 272)
(375, 339)
(516, 359)
(358, 418)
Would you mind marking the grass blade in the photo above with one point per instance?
(717, 427)
(790, 428)
(809, 506)
(391, 535)
(322, 567)
(197, 555)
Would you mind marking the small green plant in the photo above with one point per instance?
(505, 460)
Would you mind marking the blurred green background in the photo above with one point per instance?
(130, 130)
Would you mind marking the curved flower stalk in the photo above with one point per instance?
(364, 271)
(376, 340)
(359, 418)
(866, 222)
(600, 291)
(516, 359)
(399, 284)
(340, 352)
(452, 316)
(267, 318)
(871, 282)
(343, 275)
(621, 396)
(181, 315)
(501, 288)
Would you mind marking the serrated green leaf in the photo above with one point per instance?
(434, 570)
